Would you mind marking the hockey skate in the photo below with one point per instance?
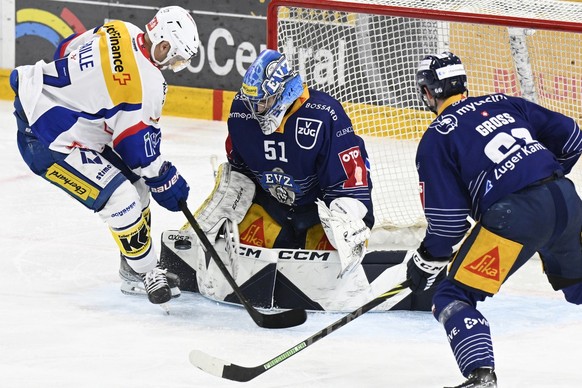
(156, 286)
(132, 283)
(480, 378)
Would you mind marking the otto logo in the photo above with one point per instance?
(354, 167)
(351, 154)
(306, 131)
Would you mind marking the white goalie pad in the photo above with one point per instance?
(266, 276)
(231, 198)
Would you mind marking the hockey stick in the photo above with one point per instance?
(227, 370)
(288, 318)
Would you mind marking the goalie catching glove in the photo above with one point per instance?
(423, 269)
(345, 229)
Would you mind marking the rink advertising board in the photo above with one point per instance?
(232, 33)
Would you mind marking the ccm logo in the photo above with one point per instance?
(303, 255)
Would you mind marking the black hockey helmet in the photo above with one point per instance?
(444, 76)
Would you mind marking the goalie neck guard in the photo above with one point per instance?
(269, 88)
(443, 75)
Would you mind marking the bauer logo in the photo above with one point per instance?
(306, 131)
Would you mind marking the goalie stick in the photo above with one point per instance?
(288, 318)
(227, 370)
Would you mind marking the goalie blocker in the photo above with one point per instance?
(287, 278)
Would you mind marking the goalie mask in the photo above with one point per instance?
(269, 88)
(176, 26)
(443, 75)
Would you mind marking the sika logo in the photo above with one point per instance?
(486, 266)
(254, 234)
(324, 244)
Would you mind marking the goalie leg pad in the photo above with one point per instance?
(230, 199)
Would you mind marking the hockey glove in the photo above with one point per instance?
(423, 269)
(345, 229)
(169, 187)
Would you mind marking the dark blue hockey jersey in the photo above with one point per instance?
(313, 154)
(478, 150)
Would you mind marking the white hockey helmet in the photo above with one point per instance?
(176, 26)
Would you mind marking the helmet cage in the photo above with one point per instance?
(269, 88)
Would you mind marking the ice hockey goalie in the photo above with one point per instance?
(275, 278)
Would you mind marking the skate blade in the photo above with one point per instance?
(132, 289)
(165, 308)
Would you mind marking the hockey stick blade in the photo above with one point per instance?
(227, 370)
(283, 319)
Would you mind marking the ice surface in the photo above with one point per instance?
(65, 324)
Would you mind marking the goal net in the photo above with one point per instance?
(365, 54)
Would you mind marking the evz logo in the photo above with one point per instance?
(445, 124)
(276, 71)
(306, 131)
(281, 186)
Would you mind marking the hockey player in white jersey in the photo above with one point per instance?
(88, 123)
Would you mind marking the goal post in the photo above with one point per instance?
(365, 54)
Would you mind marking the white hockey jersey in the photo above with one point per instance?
(104, 90)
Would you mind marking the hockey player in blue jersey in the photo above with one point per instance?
(88, 123)
(310, 169)
(502, 161)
